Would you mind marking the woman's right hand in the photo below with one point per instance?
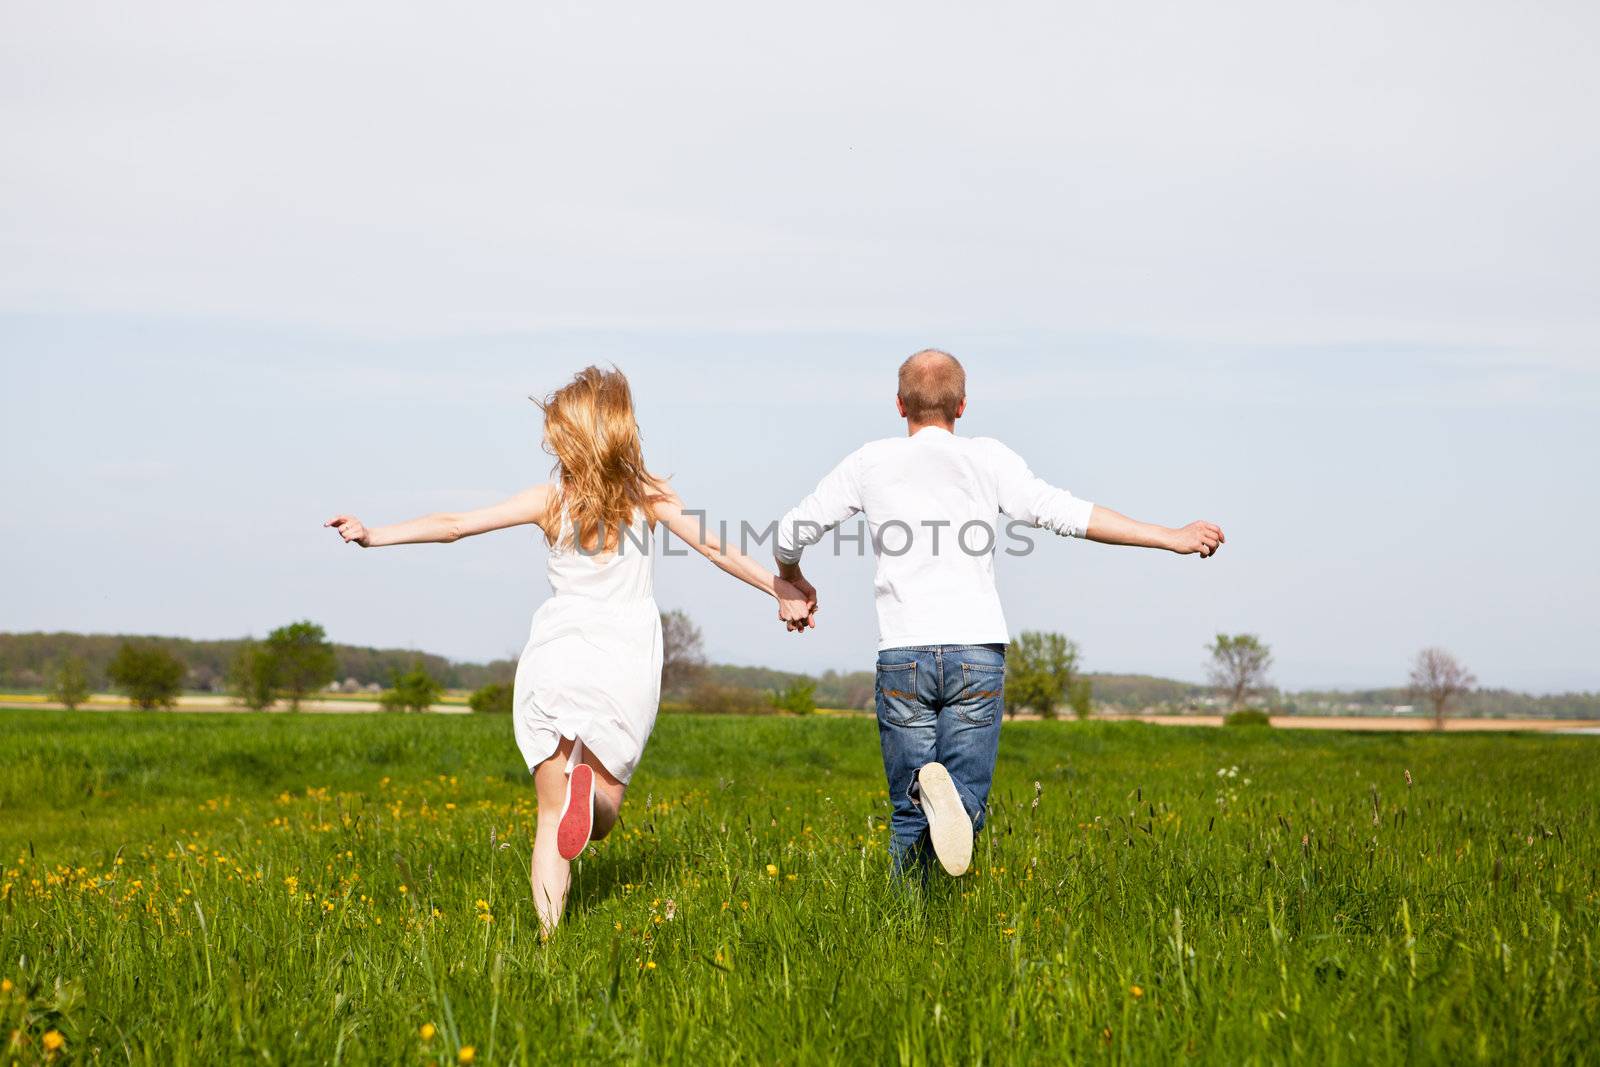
(349, 527)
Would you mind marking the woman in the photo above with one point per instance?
(589, 681)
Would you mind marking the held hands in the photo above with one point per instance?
(349, 527)
(1201, 537)
(797, 603)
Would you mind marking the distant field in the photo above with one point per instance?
(1404, 723)
(204, 888)
(456, 702)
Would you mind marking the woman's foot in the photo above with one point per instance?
(577, 816)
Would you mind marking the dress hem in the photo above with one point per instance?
(577, 739)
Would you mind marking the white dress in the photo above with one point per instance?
(591, 670)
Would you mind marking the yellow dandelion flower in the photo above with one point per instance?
(650, 965)
(1136, 991)
(772, 869)
(53, 1041)
(427, 1031)
(467, 1054)
(5, 985)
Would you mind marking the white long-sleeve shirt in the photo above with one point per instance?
(932, 502)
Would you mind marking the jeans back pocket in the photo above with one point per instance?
(897, 692)
(982, 696)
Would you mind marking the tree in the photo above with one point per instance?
(415, 690)
(798, 697)
(151, 676)
(494, 697)
(1239, 665)
(303, 660)
(1040, 668)
(69, 682)
(1439, 678)
(683, 656)
(253, 675)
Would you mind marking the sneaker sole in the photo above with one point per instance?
(577, 820)
(949, 825)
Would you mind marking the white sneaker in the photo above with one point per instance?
(949, 825)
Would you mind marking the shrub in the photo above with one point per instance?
(253, 676)
(152, 677)
(1247, 717)
(69, 682)
(494, 697)
(1080, 697)
(798, 698)
(415, 690)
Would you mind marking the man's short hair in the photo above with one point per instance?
(932, 386)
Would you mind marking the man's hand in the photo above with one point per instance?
(1202, 537)
(797, 603)
(349, 527)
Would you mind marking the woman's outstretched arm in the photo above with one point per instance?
(528, 506)
(797, 611)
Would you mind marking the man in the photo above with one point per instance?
(932, 501)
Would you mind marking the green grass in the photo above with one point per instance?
(216, 888)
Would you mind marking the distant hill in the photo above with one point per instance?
(1480, 703)
(1131, 692)
(834, 689)
(1128, 692)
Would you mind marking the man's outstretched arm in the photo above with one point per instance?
(1028, 498)
(1114, 528)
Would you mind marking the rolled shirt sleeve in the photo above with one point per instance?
(1026, 497)
(836, 498)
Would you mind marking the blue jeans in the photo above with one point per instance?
(944, 703)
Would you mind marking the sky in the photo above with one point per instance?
(1324, 274)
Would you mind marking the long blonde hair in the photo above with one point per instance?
(589, 427)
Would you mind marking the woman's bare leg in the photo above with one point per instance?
(550, 874)
(608, 794)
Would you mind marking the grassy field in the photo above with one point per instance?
(290, 889)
